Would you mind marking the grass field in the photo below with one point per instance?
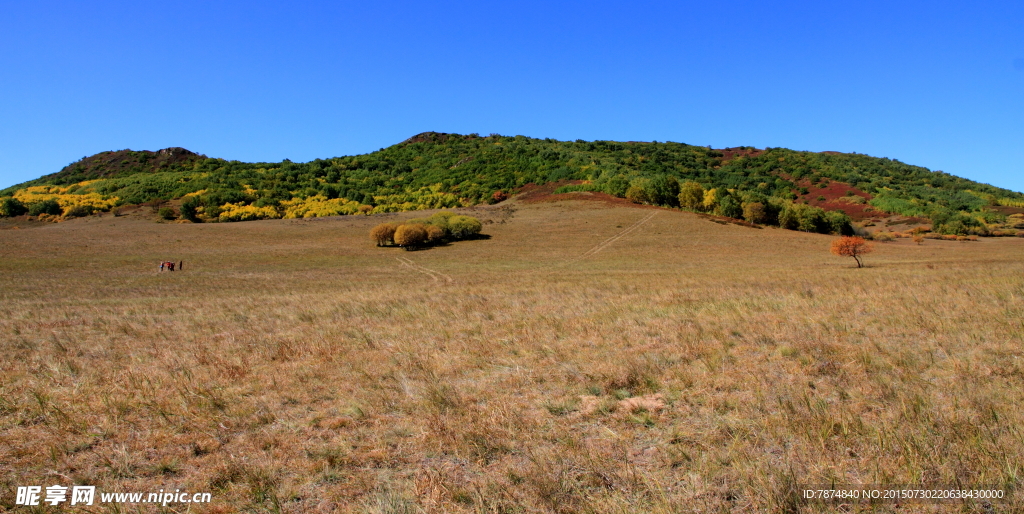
(585, 358)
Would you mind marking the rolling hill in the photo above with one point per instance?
(818, 192)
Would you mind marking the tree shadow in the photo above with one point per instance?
(427, 247)
(441, 244)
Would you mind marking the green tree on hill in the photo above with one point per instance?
(664, 190)
(729, 207)
(617, 186)
(12, 207)
(754, 212)
(45, 207)
(637, 193)
(691, 196)
(190, 209)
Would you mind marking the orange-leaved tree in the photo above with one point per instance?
(852, 246)
(434, 234)
(410, 235)
(384, 233)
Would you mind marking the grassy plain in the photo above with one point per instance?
(685, 366)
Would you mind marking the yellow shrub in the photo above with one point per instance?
(410, 235)
(691, 196)
(91, 201)
(318, 206)
(711, 199)
(384, 233)
(240, 212)
(857, 200)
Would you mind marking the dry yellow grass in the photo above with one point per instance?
(685, 366)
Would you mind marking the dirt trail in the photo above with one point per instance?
(436, 275)
(608, 242)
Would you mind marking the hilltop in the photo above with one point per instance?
(819, 192)
(121, 163)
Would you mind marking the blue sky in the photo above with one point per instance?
(938, 84)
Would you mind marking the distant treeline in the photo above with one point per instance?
(751, 205)
(435, 170)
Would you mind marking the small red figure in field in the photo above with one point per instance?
(852, 246)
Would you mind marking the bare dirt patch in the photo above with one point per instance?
(533, 193)
(1006, 210)
(839, 196)
(729, 154)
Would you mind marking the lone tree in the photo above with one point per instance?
(383, 234)
(851, 246)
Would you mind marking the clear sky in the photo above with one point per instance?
(938, 84)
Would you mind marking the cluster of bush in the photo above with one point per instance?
(418, 232)
(965, 223)
(10, 207)
(917, 236)
(981, 223)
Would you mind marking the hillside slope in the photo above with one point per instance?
(791, 188)
(121, 163)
